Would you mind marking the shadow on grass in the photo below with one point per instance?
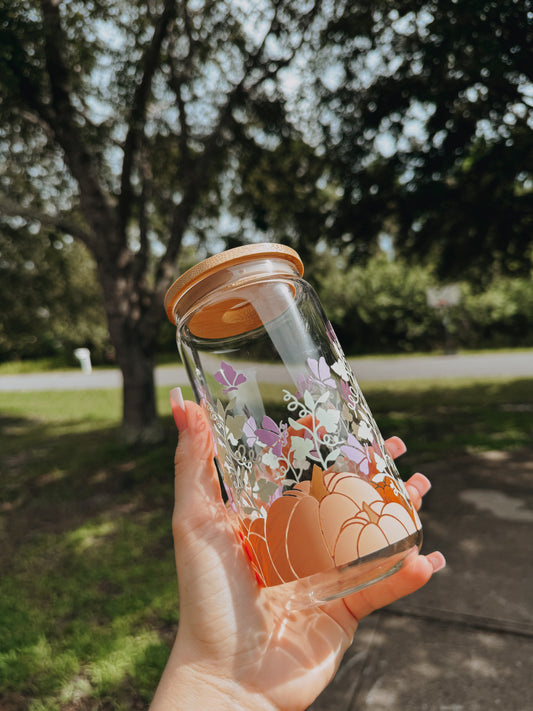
(455, 418)
(88, 599)
(88, 603)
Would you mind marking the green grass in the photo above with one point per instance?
(45, 365)
(443, 419)
(35, 365)
(88, 599)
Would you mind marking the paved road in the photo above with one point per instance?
(505, 364)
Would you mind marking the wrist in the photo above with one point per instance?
(201, 690)
(188, 686)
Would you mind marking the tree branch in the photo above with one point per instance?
(62, 222)
(137, 119)
(95, 203)
(213, 147)
(141, 257)
(175, 82)
(252, 61)
(28, 91)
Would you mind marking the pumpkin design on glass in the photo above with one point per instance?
(330, 521)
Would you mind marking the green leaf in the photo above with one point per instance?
(266, 489)
(235, 423)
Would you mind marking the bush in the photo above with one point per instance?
(499, 317)
(51, 297)
(382, 308)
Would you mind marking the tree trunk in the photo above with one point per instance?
(140, 423)
(134, 337)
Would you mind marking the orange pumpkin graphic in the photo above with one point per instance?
(390, 495)
(331, 520)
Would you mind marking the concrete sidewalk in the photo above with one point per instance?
(465, 641)
(513, 364)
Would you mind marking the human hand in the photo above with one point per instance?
(238, 646)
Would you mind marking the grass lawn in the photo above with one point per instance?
(88, 600)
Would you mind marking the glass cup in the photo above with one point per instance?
(315, 497)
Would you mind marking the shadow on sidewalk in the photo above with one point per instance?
(465, 641)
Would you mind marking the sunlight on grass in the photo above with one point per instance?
(88, 594)
(84, 610)
(107, 673)
(84, 407)
(74, 690)
(90, 535)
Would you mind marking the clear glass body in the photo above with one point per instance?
(315, 497)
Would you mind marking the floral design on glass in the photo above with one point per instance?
(228, 377)
(328, 424)
(317, 489)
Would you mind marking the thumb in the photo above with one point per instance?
(209, 556)
(197, 494)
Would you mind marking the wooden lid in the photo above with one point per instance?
(218, 262)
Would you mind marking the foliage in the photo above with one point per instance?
(382, 307)
(379, 307)
(50, 297)
(140, 128)
(124, 125)
(426, 110)
(498, 316)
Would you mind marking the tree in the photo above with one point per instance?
(122, 122)
(427, 118)
(50, 299)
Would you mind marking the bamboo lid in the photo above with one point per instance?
(221, 320)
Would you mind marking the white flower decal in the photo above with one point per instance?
(321, 372)
(328, 419)
(301, 448)
(270, 459)
(364, 432)
(340, 368)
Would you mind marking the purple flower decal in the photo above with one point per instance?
(249, 431)
(358, 453)
(321, 372)
(229, 378)
(271, 435)
(303, 383)
(347, 395)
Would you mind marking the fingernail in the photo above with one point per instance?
(421, 483)
(437, 560)
(178, 409)
(395, 447)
